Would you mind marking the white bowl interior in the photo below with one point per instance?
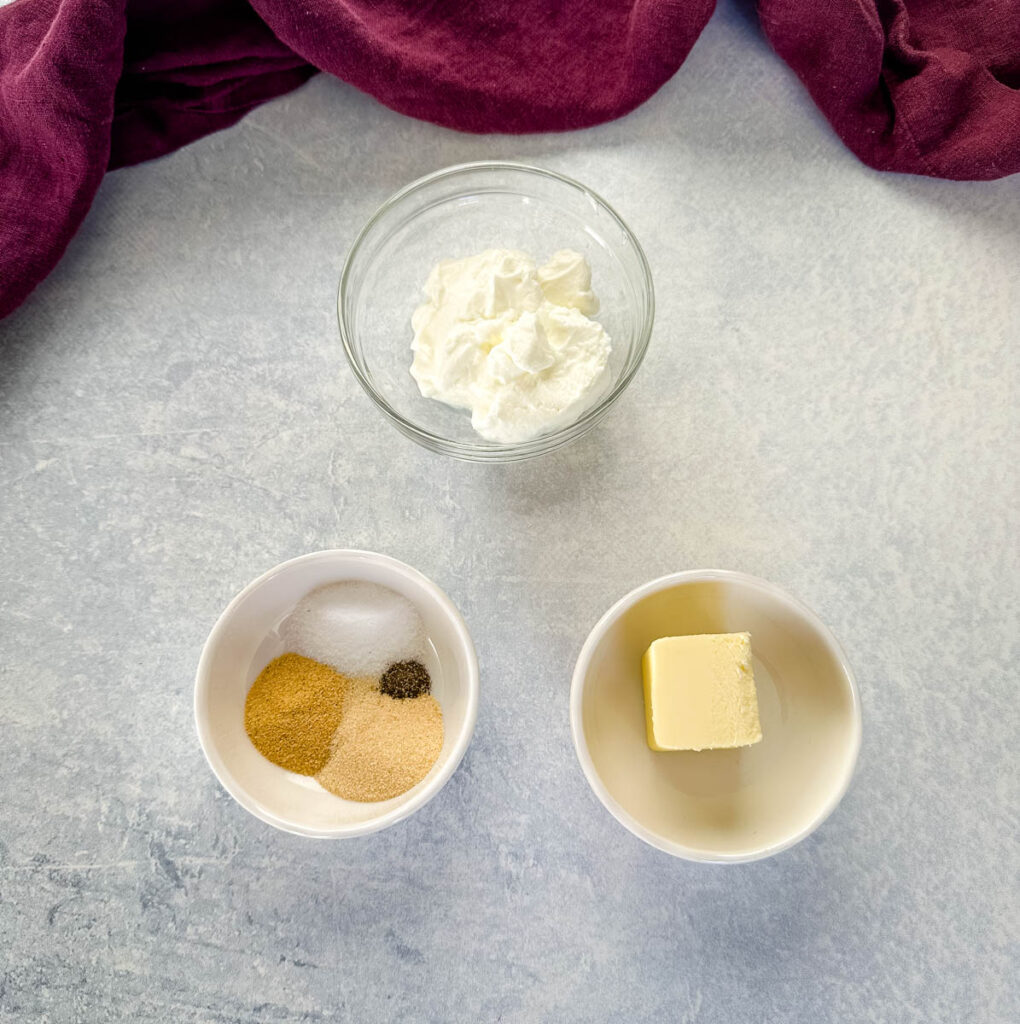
(720, 804)
(451, 217)
(246, 639)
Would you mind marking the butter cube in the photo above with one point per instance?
(699, 692)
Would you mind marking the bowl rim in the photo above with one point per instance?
(579, 681)
(491, 451)
(429, 789)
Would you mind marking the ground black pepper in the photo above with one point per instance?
(405, 679)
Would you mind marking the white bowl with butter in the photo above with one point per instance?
(723, 805)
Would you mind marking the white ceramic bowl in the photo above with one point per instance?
(246, 639)
(718, 805)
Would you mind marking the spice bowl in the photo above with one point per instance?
(722, 806)
(247, 637)
(461, 211)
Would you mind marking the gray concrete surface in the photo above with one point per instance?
(830, 401)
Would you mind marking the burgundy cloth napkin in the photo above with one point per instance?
(192, 67)
(77, 97)
(925, 86)
(59, 64)
(922, 86)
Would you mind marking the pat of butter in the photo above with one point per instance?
(699, 692)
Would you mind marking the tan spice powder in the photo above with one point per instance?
(292, 711)
(383, 746)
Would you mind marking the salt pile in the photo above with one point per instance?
(357, 628)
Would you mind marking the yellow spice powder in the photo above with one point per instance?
(383, 745)
(292, 711)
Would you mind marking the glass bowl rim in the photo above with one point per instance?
(489, 451)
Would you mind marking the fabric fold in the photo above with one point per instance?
(919, 86)
(192, 67)
(493, 66)
(59, 65)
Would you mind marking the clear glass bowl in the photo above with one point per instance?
(457, 212)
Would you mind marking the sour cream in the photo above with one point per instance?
(511, 341)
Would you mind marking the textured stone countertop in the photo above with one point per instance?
(829, 401)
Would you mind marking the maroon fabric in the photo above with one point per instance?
(77, 97)
(923, 86)
(496, 65)
(926, 86)
(192, 67)
(59, 64)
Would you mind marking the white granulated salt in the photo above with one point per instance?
(357, 628)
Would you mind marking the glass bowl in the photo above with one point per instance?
(458, 212)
